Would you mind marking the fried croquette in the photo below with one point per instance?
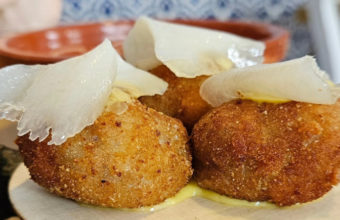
(181, 100)
(137, 158)
(283, 153)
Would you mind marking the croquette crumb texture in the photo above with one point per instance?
(181, 100)
(138, 158)
(284, 153)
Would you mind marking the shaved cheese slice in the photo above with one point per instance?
(188, 51)
(299, 80)
(67, 96)
(137, 82)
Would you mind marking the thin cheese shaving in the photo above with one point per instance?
(64, 98)
(188, 51)
(298, 80)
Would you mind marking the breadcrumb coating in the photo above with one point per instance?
(136, 158)
(284, 153)
(181, 100)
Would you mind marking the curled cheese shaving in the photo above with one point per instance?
(188, 51)
(298, 80)
(64, 98)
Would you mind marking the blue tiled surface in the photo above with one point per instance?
(279, 12)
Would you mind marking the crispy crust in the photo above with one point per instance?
(138, 158)
(284, 153)
(181, 100)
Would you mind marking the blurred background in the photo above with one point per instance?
(313, 27)
(313, 24)
(289, 14)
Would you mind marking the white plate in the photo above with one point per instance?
(33, 202)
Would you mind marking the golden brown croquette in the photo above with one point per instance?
(284, 153)
(137, 158)
(181, 100)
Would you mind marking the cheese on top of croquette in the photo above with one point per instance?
(295, 80)
(188, 51)
(65, 97)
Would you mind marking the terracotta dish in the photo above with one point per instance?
(55, 44)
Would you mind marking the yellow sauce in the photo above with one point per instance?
(224, 63)
(215, 62)
(123, 92)
(192, 190)
(130, 89)
(117, 101)
(118, 95)
(259, 98)
(263, 98)
(330, 83)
